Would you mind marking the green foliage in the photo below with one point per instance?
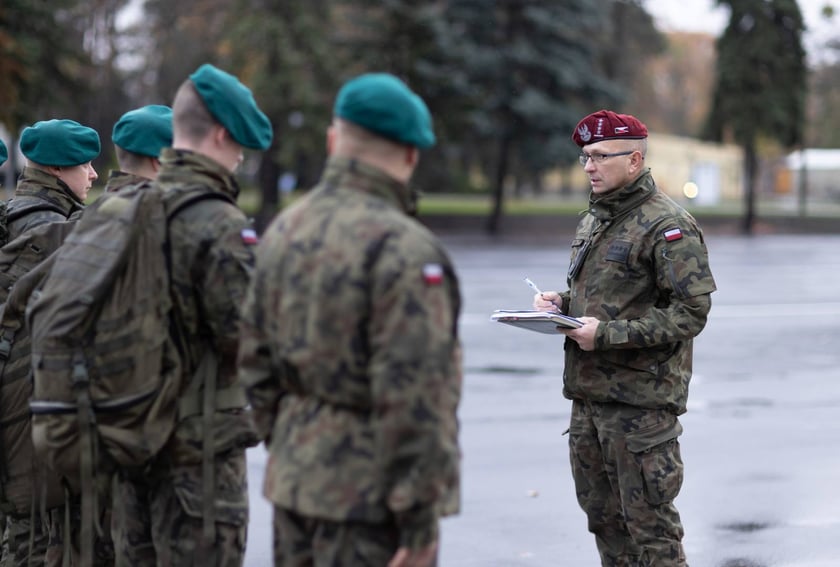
(280, 49)
(527, 70)
(43, 67)
(761, 82)
(505, 80)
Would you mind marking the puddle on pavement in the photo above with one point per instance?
(742, 403)
(745, 527)
(517, 371)
(741, 562)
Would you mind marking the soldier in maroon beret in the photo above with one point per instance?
(640, 281)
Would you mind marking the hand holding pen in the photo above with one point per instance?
(544, 300)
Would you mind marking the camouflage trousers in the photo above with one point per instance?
(627, 470)
(300, 541)
(47, 543)
(157, 520)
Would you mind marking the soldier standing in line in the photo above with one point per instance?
(52, 187)
(139, 136)
(640, 280)
(349, 349)
(58, 174)
(214, 118)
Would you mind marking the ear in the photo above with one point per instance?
(636, 161)
(331, 134)
(53, 170)
(412, 156)
(220, 135)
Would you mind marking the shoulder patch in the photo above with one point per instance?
(433, 274)
(249, 236)
(672, 234)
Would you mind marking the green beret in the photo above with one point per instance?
(383, 104)
(144, 131)
(233, 106)
(60, 143)
(4, 153)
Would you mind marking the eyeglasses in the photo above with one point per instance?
(600, 158)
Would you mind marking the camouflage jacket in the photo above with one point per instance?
(639, 264)
(351, 358)
(50, 199)
(211, 263)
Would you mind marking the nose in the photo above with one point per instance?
(93, 176)
(590, 165)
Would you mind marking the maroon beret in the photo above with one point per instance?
(607, 125)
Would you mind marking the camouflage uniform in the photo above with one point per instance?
(118, 180)
(351, 360)
(35, 189)
(211, 264)
(640, 266)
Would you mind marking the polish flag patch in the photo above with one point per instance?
(433, 274)
(622, 129)
(249, 236)
(672, 234)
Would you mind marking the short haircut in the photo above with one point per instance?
(129, 161)
(190, 117)
(363, 140)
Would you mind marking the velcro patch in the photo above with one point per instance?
(672, 234)
(619, 251)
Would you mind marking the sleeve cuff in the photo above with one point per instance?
(418, 528)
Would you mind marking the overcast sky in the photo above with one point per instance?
(706, 16)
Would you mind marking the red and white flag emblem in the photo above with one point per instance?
(433, 274)
(249, 236)
(672, 234)
(622, 129)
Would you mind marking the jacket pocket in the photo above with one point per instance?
(657, 453)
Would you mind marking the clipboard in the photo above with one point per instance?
(537, 321)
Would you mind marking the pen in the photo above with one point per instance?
(532, 285)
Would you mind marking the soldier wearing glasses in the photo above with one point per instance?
(639, 278)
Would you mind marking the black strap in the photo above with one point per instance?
(12, 214)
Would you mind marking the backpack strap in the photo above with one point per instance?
(208, 480)
(14, 213)
(187, 197)
(208, 370)
(11, 312)
(84, 407)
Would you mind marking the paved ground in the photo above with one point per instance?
(762, 434)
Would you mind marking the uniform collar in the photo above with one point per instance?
(358, 176)
(38, 183)
(119, 179)
(185, 166)
(618, 202)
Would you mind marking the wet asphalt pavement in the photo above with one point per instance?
(762, 433)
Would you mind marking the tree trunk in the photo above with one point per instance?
(494, 219)
(803, 183)
(750, 178)
(10, 175)
(268, 175)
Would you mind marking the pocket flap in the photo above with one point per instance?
(644, 439)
